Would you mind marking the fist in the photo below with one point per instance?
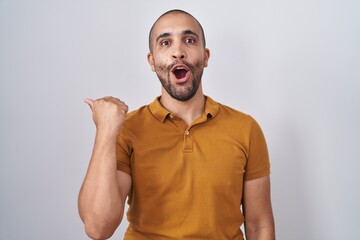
(108, 114)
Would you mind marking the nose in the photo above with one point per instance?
(178, 52)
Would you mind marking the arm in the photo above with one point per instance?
(259, 220)
(104, 190)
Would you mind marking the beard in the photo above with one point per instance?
(180, 92)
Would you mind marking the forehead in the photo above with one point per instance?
(174, 23)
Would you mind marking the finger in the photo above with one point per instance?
(89, 102)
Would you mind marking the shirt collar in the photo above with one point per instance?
(160, 113)
(211, 107)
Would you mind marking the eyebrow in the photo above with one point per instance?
(189, 32)
(163, 35)
(186, 32)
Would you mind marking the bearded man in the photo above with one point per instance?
(190, 167)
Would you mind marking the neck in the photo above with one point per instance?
(189, 110)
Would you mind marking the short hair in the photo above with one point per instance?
(176, 11)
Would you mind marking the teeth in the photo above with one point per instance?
(179, 68)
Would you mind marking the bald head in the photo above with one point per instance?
(175, 11)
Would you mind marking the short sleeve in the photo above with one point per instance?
(258, 163)
(123, 154)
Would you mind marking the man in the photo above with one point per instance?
(186, 163)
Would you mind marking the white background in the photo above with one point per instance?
(292, 65)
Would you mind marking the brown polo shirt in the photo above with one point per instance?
(187, 181)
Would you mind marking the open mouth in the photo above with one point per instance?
(180, 72)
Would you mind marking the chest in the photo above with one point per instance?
(178, 158)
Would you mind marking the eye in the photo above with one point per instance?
(190, 40)
(164, 42)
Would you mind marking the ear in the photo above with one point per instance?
(206, 56)
(150, 59)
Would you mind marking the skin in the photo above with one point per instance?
(176, 39)
(259, 220)
(104, 190)
(178, 47)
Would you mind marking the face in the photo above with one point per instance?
(178, 56)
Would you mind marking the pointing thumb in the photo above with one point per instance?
(89, 102)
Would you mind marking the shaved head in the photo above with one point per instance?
(175, 11)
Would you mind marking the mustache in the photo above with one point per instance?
(189, 65)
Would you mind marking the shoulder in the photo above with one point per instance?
(136, 113)
(137, 116)
(238, 122)
(234, 115)
(134, 122)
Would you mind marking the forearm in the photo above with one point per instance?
(100, 203)
(259, 219)
(261, 233)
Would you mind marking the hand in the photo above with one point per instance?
(108, 114)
